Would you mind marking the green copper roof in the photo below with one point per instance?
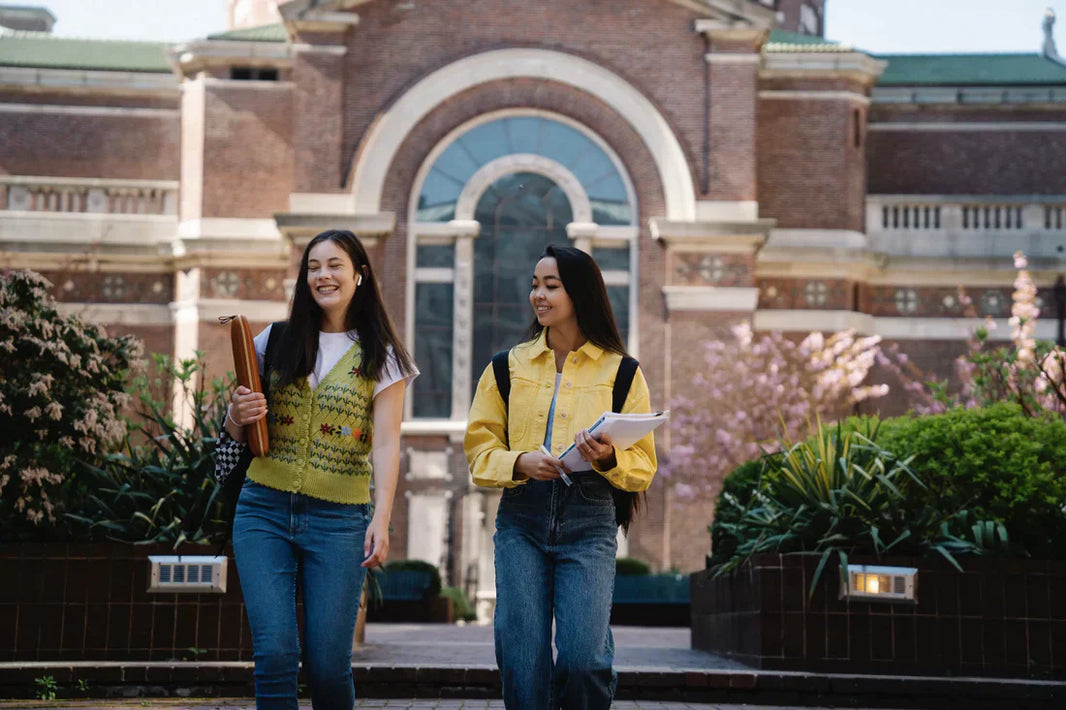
(782, 41)
(970, 70)
(41, 49)
(263, 33)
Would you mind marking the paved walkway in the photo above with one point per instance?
(636, 648)
(457, 662)
(243, 704)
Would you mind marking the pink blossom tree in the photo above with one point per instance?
(754, 390)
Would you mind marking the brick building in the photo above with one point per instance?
(721, 160)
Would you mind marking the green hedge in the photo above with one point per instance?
(630, 567)
(418, 566)
(996, 463)
(983, 472)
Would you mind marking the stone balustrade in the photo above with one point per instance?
(955, 226)
(88, 195)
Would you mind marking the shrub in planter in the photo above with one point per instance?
(631, 566)
(160, 488)
(464, 610)
(62, 390)
(737, 490)
(837, 492)
(995, 462)
(416, 566)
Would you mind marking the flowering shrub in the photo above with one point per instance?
(160, 488)
(753, 391)
(1027, 372)
(61, 394)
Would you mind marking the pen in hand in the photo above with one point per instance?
(566, 479)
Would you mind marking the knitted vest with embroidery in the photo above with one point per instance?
(320, 439)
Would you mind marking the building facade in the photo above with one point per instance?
(721, 160)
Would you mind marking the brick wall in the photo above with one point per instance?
(318, 125)
(650, 44)
(732, 131)
(811, 172)
(90, 145)
(1000, 162)
(247, 163)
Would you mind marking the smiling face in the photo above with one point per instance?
(549, 299)
(331, 277)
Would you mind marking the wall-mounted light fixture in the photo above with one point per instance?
(199, 574)
(881, 583)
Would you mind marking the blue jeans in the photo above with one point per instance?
(555, 551)
(284, 540)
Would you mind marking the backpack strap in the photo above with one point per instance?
(277, 330)
(502, 371)
(622, 380)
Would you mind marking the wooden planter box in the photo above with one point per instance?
(90, 602)
(1002, 618)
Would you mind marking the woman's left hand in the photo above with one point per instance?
(597, 451)
(376, 546)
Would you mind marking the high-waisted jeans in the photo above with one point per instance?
(284, 540)
(555, 552)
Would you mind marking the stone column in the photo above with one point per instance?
(710, 286)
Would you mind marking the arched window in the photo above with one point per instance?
(488, 200)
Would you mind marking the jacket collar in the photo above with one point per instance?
(540, 347)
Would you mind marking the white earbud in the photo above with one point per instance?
(358, 279)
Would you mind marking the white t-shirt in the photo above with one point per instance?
(331, 348)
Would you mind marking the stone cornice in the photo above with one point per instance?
(190, 57)
(301, 227)
(309, 16)
(738, 237)
(89, 81)
(855, 65)
(731, 299)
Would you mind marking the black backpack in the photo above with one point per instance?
(624, 501)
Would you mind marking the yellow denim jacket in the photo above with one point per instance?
(584, 394)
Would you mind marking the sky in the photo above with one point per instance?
(879, 26)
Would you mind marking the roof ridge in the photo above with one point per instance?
(50, 36)
(926, 55)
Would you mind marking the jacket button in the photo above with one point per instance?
(574, 359)
(569, 385)
(563, 415)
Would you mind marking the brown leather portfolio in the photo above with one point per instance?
(245, 364)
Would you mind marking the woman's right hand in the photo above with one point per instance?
(247, 406)
(538, 466)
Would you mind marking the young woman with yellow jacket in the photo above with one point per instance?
(556, 541)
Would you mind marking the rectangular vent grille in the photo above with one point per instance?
(188, 573)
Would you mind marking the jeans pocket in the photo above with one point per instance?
(513, 493)
(594, 490)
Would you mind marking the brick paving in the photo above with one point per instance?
(447, 666)
(397, 704)
(636, 648)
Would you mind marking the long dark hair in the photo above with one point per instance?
(365, 315)
(584, 285)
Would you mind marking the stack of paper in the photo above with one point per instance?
(623, 429)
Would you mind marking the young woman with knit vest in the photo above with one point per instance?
(556, 539)
(336, 388)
